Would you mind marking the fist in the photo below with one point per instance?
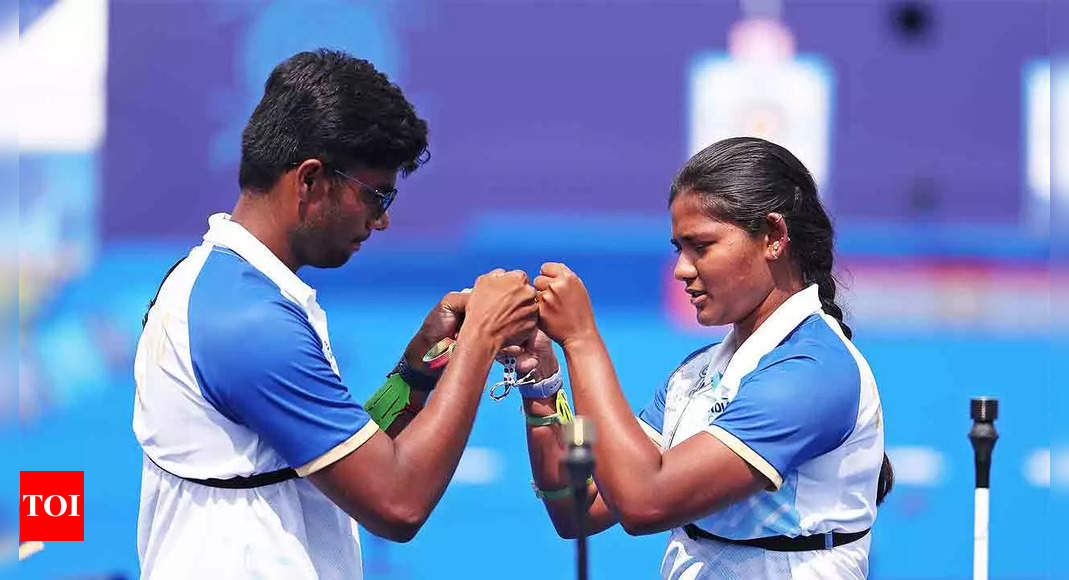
(442, 321)
(564, 310)
(502, 307)
(534, 355)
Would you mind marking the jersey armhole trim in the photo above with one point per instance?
(340, 450)
(651, 432)
(747, 454)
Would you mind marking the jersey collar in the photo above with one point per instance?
(222, 231)
(776, 327)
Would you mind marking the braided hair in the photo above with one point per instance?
(744, 179)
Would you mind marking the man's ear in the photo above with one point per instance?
(308, 174)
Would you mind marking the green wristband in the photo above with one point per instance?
(566, 491)
(542, 421)
(552, 494)
(388, 402)
(562, 416)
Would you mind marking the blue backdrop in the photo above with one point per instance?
(555, 129)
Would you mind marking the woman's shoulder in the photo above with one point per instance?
(813, 348)
(815, 336)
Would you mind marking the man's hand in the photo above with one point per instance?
(502, 308)
(442, 321)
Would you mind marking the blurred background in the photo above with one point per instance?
(556, 128)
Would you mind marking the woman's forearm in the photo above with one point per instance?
(627, 461)
(546, 452)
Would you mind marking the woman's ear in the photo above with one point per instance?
(778, 236)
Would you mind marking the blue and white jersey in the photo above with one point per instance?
(798, 402)
(235, 377)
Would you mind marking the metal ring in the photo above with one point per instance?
(504, 393)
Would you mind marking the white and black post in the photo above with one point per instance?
(983, 411)
(579, 463)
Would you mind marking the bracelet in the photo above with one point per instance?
(416, 380)
(543, 421)
(555, 493)
(439, 354)
(543, 389)
(562, 416)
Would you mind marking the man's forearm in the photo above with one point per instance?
(428, 450)
(417, 400)
(406, 389)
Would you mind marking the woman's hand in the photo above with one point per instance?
(564, 311)
(534, 355)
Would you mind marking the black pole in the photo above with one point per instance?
(983, 435)
(579, 462)
(984, 411)
(580, 523)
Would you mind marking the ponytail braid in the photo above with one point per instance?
(743, 180)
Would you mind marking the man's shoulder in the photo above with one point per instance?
(233, 300)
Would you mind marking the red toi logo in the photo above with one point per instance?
(52, 506)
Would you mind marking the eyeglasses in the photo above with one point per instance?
(384, 198)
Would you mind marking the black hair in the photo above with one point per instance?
(333, 107)
(743, 179)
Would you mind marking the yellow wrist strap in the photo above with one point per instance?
(562, 416)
